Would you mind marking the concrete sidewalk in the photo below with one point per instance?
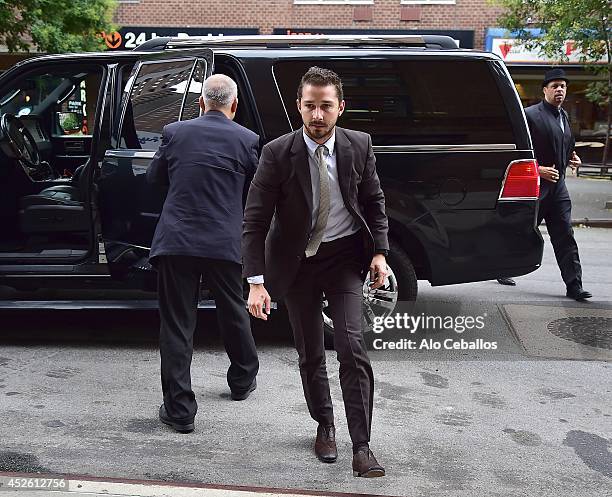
(589, 197)
(87, 486)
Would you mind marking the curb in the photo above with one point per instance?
(90, 486)
(592, 223)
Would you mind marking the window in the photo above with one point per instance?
(427, 2)
(411, 102)
(192, 99)
(245, 114)
(334, 2)
(155, 99)
(65, 100)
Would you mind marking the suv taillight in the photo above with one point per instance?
(522, 181)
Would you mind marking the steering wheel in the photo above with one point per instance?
(17, 142)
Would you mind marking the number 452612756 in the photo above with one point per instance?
(11, 483)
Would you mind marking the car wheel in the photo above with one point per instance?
(401, 284)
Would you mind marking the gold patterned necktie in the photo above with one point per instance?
(317, 233)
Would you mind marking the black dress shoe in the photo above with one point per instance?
(325, 444)
(246, 393)
(366, 465)
(180, 426)
(506, 281)
(578, 294)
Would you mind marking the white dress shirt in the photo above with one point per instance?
(340, 222)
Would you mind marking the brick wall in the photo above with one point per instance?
(266, 15)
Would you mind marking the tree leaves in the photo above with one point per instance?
(585, 22)
(55, 26)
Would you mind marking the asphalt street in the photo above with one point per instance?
(80, 390)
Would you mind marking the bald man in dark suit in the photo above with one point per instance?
(206, 163)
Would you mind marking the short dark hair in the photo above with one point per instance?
(318, 76)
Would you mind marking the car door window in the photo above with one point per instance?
(191, 109)
(57, 104)
(64, 100)
(154, 99)
(246, 113)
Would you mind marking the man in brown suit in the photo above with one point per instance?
(329, 229)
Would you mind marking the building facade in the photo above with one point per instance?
(465, 20)
(472, 23)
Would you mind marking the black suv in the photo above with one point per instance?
(78, 132)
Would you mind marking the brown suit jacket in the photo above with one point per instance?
(281, 193)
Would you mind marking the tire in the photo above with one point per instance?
(401, 285)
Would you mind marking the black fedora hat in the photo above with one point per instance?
(553, 75)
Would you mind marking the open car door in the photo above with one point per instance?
(161, 89)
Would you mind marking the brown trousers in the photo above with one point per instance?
(336, 271)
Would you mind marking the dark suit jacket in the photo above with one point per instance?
(205, 161)
(548, 143)
(282, 188)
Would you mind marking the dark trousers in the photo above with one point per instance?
(556, 209)
(178, 289)
(336, 271)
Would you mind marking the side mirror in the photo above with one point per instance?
(69, 122)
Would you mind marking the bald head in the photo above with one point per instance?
(221, 94)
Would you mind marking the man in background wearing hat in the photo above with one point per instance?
(553, 144)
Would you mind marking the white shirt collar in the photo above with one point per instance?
(312, 145)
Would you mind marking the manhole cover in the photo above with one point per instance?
(591, 331)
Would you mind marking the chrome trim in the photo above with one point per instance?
(9, 98)
(485, 147)
(129, 154)
(128, 246)
(101, 109)
(127, 92)
(112, 74)
(281, 99)
(191, 73)
(127, 304)
(284, 40)
(513, 199)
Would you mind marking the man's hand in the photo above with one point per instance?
(378, 271)
(259, 301)
(575, 162)
(549, 173)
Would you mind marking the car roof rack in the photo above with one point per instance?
(287, 41)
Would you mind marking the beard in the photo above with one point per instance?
(318, 130)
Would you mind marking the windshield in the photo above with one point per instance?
(68, 95)
(30, 93)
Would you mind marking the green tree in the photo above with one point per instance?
(55, 26)
(586, 22)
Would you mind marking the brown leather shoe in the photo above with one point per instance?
(325, 444)
(366, 465)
